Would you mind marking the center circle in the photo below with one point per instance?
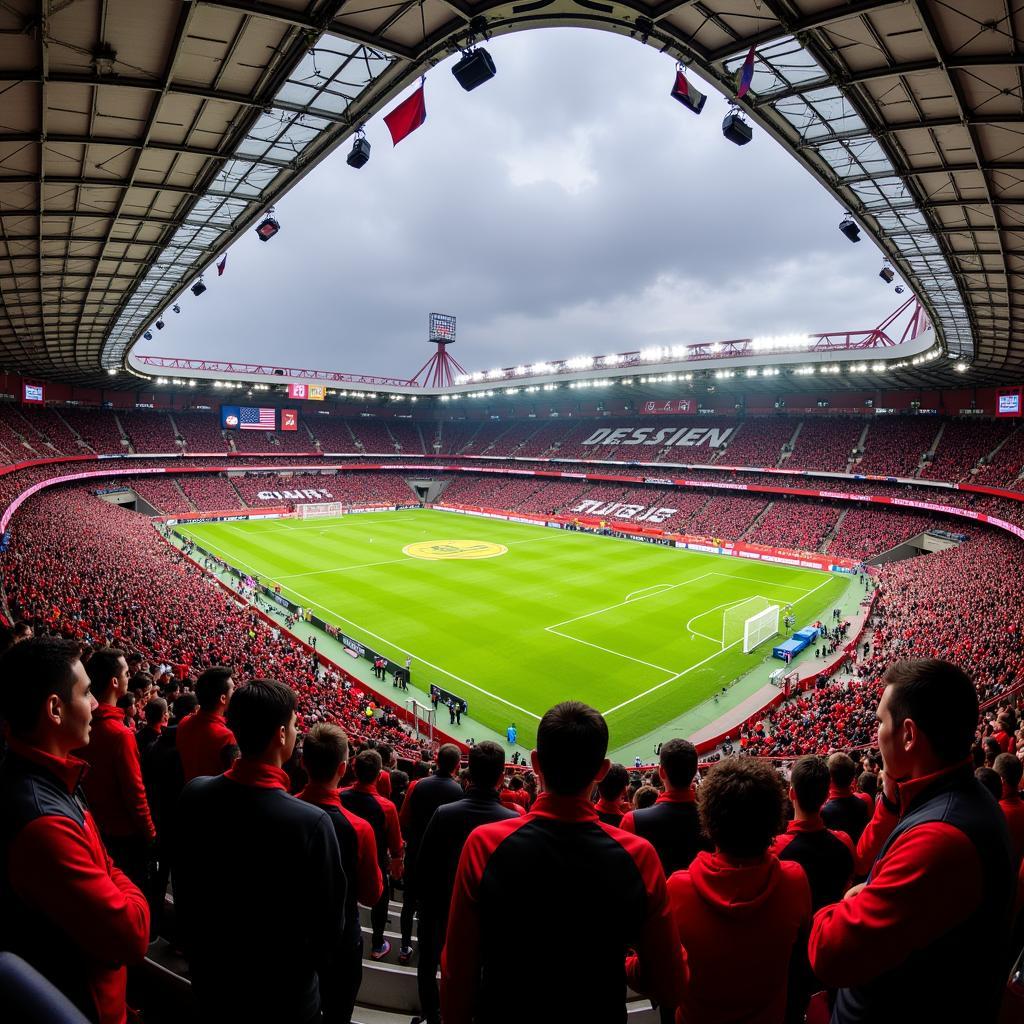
(435, 550)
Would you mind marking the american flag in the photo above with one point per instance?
(255, 419)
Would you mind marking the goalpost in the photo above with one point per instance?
(320, 510)
(423, 718)
(753, 621)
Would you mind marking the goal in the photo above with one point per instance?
(321, 510)
(752, 621)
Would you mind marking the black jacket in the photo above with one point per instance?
(442, 843)
(672, 827)
(424, 797)
(259, 892)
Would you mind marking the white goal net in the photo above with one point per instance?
(752, 621)
(320, 510)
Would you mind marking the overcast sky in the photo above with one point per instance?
(567, 207)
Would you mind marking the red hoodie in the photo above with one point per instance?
(113, 785)
(739, 922)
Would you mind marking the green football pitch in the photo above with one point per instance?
(515, 617)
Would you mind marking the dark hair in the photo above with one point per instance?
(102, 667)
(645, 796)
(140, 681)
(572, 740)
(22, 628)
(741, 806)
(257, 711)
(940, 699)
(212, 685)
(184, 704)
(679, 759)
(810, 781)
(155, 710)
(30, 673)
(385, 750)
(324, 751)
(1009, 769)
(368, 766)
(486, 763)
(867, 782)
(989, 778)
(614, 783)
(448, 758)
(842, 769)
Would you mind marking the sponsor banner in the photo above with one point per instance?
(624, 510)
(658, 480)
(308, 494)
(652, 437)
(309, 392)
(289, 419)
(676, 405)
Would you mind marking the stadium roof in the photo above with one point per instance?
(138, 138)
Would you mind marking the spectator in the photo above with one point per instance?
(610, 789)
(205, 743)
(156, 716)
(937, 903)
(387, 762)
(672, 825)
(1009, 769)
(644, 797)
(443, 839)
(241, 844)
(844, 810)
(556, 864)
(739, 907)
(363, 800)
(66, 908)
(325, 758)
(113, 785)
(989, 778)
(423, 798)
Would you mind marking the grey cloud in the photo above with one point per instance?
(567, 206)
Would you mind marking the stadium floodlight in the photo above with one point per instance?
(900, 289)
(961, 367)
(580, 362)
(176, 308)
(359, 154)
(887, 274)
(197, 289)
(736, 129)
(848, 226)
(148, 335)
(474, 68)
(268, 227)
(159, 325)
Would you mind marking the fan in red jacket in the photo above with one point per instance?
(589, 891)
(927, 936)
(740, 912)
(117, 796)
(205, 743)
(64, 906)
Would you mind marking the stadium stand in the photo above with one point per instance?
(759, 441)
(333, 433)
(1007, 464)
(200, 431)
(98, 428)
(962, 443)
(895, 444)
(149, 431)
(826, 443)
(864, 532)
(726, 516)
(210, 493)
(48, 425)
(162, 492)
(372, 436)
(790, 524)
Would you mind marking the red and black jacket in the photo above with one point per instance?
(927, 937)
(827, 858)
(846, 812)
(591, 892)
(259, 894)
(206, 745)
(64, 907)
(358, 853)
(672, 827)
(364, 801)
(423, 798)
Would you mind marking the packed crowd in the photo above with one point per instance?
(966, 604)
(843, 887)
(799, 525)
(826, 443)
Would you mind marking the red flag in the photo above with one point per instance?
(407, 116)
(223, 263)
